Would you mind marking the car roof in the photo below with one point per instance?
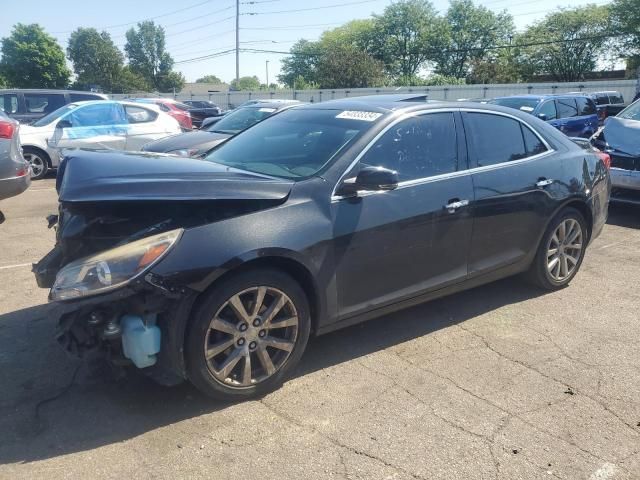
(384, 106)
(121, 102)
(49, 90)
(271, 104)
(545, 95)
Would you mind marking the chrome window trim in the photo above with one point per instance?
(435, 178)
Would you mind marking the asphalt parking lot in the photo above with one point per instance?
(502, 381)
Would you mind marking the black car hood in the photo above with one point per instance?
(96, 176)
(623, 134)
(201, 140)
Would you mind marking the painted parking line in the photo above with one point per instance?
(7, 267)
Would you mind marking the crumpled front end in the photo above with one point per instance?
(139, 325)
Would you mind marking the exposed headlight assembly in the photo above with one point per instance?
(113, 268)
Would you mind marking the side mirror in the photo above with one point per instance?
(370, 179)
(64, 124)
(542, 116)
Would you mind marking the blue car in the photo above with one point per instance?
(574, 115)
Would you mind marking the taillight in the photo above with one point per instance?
(7, 129)
(606, 159)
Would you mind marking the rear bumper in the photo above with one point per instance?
(10, 187)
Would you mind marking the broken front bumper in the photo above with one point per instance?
(93, 327)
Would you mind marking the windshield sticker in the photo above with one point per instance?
(524, 108)
(356, 115)
(267, 110)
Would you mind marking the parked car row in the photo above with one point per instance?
(219, 269)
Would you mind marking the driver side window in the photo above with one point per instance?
(418, 147)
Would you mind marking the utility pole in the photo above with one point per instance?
(267, 67)
(237, 41)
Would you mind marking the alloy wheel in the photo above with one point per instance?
(36, 162)
(251, 336)
(564, 250)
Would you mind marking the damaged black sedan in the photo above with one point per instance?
(219, 270)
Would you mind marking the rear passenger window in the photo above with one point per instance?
(602, 99)
(567, 108)
(419, 147)
(139, 114)
(585, 106)
(615, 98)
(494, 139)
(9, 103)
(43, 102)
(532, 143)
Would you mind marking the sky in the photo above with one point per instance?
(197, 28)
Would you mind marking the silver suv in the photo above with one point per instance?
(15, 174)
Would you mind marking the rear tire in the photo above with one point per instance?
(38, 160)
(247, 335)
(560, 252)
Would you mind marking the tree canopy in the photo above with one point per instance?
(31, 58)
(209, 79)
(566, 44)
(146, 51)
(95, 58)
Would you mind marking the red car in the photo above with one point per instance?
(177, 110)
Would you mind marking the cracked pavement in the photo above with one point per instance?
(499, 382)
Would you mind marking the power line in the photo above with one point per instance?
(459, 50)
(111, 27)
(207, 57)
(222, 20)
(199, 40)
(296, 27)
(337, 5)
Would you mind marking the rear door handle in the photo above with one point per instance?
(543, 182)
(455, 204)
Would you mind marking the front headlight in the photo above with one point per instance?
(112, 269)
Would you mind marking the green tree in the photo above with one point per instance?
(209, 79)
(130, 82)
(31, 58)
(146, 51)
(407, 34)
(301, 63)
(346, 66)
(625, 16)
(95, 58)
(246, 83)
(469, 31)
(570, 42)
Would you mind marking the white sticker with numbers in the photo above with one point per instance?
(357, 115)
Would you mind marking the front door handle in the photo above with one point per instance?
(543, 182)
(455, 204)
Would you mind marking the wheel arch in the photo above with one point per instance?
(40, 150)
(285, 263)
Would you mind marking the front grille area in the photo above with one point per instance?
(625, 163)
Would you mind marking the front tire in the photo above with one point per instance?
(247, 335)
(561, 251)
(38, 160)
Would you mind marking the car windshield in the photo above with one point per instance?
(294, 144)
(240, 119)
(524, 104)
(632, 112)
(55, 115)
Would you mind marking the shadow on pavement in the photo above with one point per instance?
(96, 410)
(624, 216)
